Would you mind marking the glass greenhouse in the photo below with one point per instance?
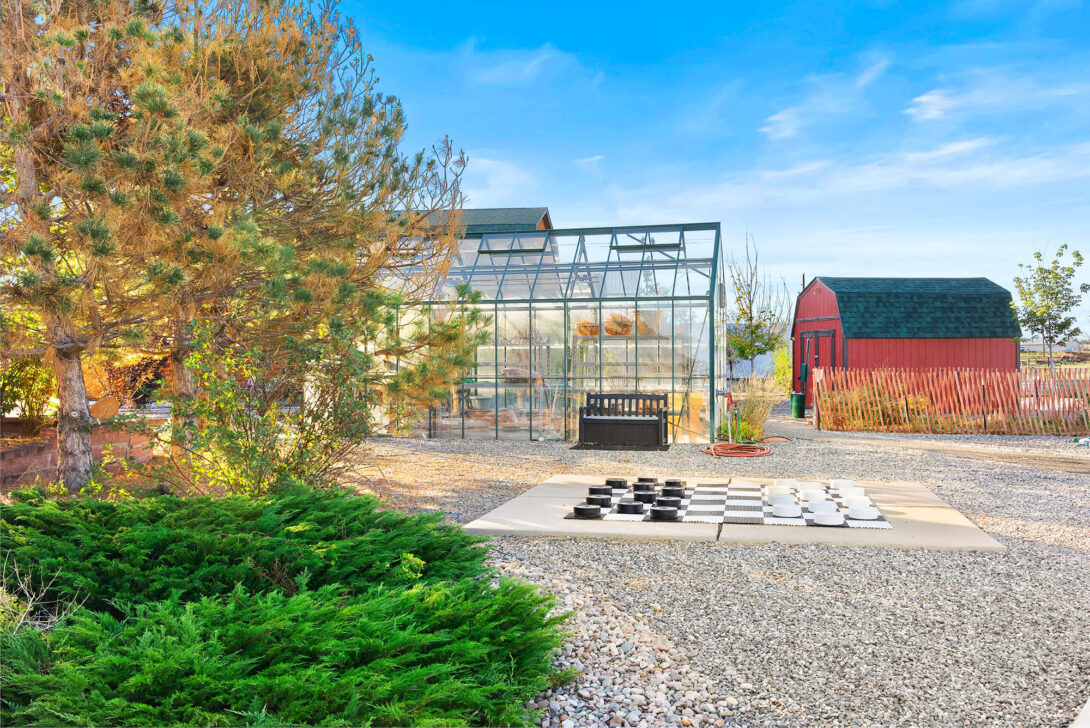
(626, 309)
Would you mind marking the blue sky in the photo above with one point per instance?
(866, 138)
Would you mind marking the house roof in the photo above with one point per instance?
(923, 308)
(504, 219)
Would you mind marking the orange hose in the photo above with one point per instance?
(737, 450)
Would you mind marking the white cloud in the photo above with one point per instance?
(783, 124)
(989, 90)
(970, 166)
(871, 73)
(591, 164)
(516, 67)
(796, 171)
(826, 96)
(492, 182)
(952, 149)
(709, 116)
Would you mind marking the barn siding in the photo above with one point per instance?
(932, 353)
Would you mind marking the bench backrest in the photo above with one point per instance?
(628, 404)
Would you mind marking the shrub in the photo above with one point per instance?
(251, 430)
(782, 372)
(29, 386)
(756, 405)
(146, 550)
(307, 607)
(462, 654)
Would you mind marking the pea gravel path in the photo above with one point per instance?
(695, 633)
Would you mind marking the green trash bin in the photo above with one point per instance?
(798, 405)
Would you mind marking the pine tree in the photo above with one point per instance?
(82, 157)
(229, 160)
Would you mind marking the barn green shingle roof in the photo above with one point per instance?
(923, 308)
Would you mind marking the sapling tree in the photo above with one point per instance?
(1048, 295)
(292, 410)
(757, 322)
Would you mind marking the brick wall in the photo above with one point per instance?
(23, 462)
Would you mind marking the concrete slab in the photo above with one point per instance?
(920, 519)
(1082, 720)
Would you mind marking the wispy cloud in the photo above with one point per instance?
(826, 96)
(973, 165)
(783, 124)
(990, 90)
(517, 66)
(798, 170)
(490, 181)
(708, 115)
(945, 151)
(591, 164)
(948, 168)
(872, 72)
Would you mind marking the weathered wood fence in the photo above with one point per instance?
(1026, 402)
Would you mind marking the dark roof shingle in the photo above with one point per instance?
(923, 308)
(503, 219)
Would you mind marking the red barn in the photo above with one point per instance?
(917, 323)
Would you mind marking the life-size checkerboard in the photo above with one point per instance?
(746, 503)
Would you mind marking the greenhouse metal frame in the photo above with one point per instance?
(586, 310)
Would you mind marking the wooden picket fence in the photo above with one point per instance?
(1025, 402)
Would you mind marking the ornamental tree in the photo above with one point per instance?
(1049, 294)
(760, 310)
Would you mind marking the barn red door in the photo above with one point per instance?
(822, 354)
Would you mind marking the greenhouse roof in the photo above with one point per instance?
(638, 262)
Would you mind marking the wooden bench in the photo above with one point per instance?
(624, 420)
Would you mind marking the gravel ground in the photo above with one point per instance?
(1021, 443)
(714, 634)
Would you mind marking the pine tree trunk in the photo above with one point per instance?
(74, 459)
(182, 383)
(74, 422)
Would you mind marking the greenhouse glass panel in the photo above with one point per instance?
(588, 310)
(547, 350)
